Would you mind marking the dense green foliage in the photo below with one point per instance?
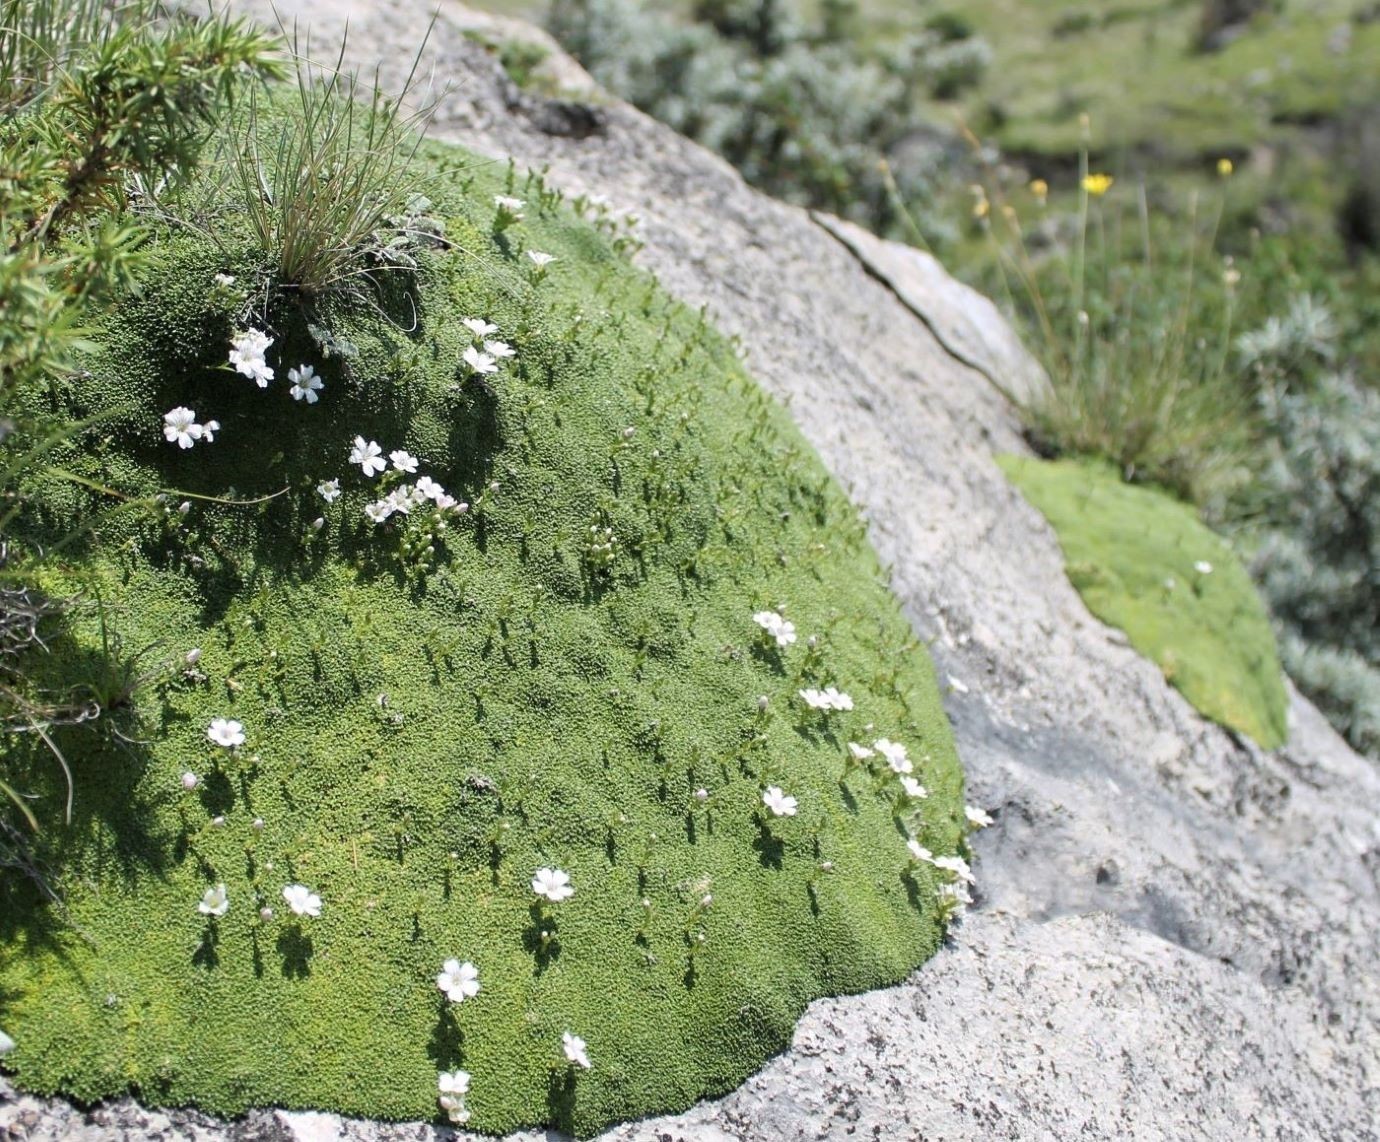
(1144, 563)
(431, 717)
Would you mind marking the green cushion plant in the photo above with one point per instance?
(341, 749)
(1145, 563)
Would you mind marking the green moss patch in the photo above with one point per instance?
(432, 716)
(1145, 563)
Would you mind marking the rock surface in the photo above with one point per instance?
(1175, 932)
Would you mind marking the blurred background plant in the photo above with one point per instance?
(806, 110)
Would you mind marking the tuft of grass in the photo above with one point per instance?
(319, 185)
(1135, 334)
(1134, 555)
(549, 685)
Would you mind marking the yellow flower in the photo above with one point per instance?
(1224, 167)
(980, 208)
(1098, 184)
(1040, 189)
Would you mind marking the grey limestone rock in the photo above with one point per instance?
(1175, 933)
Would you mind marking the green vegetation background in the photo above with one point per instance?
(397, 719)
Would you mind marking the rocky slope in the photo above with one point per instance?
(1175, 931)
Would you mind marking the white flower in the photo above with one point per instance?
(247, 355)
(781, 804)
(453, 1082)
(190, 781)
(913, 789)
(209, 430)
(540, 260)
(955, 893)
(895, 754)
(226, 732)
(459, 981)
(977, 818)
(776, 626)
(215, 902)
(553, 883)
(403, 461)
(379, 510)
(180, 427)
(329, 490)
(509, 205)
(919, 852)
(429, 488)
(302, 900)
(478, 326)
(224, 280)
(452, 1087)
(830, 699)
(1203, 567)
(403, 499)
(956, 865)
(305, 384)
(368, 455)
(574, 1048)
(480, 363)
(860, 752)
(499, 350)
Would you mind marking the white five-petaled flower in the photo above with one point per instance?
(226, 733)
(860, 752)
(459, 981)
(827, 699)
(919, 852)
(302, 900)
(574, 1048)
(956, 865)
(378, 511)
(895, 754)
(224, 279)
(180, 426)
(215, 902)
(509, 205)
(478, 362)
(499, 350)
(977, 818)
(913, 789)
(540, 260)
(368, 455)
(553, 883)
(781, 804)
(305, 384)
(776, 626)
(429, 488)
(478, 326)
(404, 461)
(329, 490)
(1203, 567)
(209, 430)
(247, 355)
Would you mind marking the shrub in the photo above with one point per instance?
(807, 114)
(1316, 524)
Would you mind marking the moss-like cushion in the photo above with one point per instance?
(1144, 562)
(427, 730)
